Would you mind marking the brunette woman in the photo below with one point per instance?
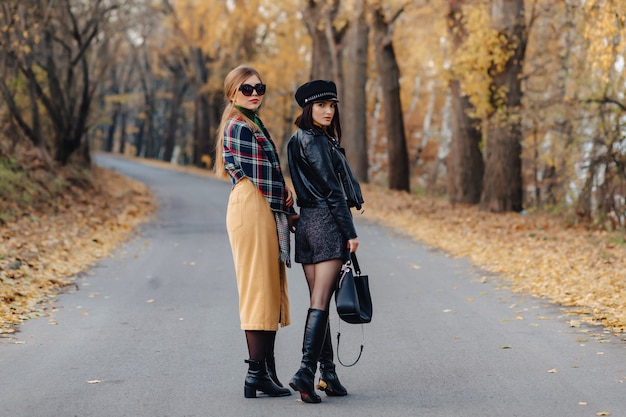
(326, 189)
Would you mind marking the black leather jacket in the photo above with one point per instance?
(322, 177)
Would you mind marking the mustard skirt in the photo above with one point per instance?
(261, 277)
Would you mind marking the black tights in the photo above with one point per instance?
(322, 278)
(260, 344)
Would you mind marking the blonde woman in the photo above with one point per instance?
(259, 218)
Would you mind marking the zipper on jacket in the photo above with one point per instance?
(349, 183)
(345, 196)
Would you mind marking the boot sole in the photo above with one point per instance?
(323, 386)
(251, 392)
(304, 396)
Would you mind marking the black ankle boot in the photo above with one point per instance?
(329, 381)
(259, 380)
(314, 331)
(271, 370)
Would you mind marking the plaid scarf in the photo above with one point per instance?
(252, 155)
(284, 243)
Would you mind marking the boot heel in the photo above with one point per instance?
(249, 392)
(304, 385)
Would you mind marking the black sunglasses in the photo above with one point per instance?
(247, 89)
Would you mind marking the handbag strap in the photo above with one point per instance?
(360, 351)
(352, 261)
(355, 262)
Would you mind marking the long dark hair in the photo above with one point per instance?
(305, 122)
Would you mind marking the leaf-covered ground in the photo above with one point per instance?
(535, 254)
(44, 249)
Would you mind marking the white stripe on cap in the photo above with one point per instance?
(318, 95)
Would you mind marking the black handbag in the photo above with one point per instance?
(352, 296)
(353, 299)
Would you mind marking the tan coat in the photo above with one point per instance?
(261, 277)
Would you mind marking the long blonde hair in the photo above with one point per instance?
(233, 80)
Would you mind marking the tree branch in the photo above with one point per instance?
(607, 100)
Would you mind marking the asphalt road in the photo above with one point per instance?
(154, 332)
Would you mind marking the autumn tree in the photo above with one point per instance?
(327, 36)
(53, 48)
(389, 75)
(119, 84)
(354, 97)
(148, 87)
(549, 113)
(283, 58)
(339, 36)
(557, 146)
(196, 27)
(502, 185)
(465, 160)
(604, 188)
(207, 40)
(489, 67)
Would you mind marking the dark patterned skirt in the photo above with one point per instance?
(318, 237)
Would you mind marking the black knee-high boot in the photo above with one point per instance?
(259, 380)
(329, 381)
(314, 331)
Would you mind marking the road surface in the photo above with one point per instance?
(153, 331)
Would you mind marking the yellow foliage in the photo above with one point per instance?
(605, 31)
(536, 254)
(484, 53)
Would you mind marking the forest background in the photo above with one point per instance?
(494, 106)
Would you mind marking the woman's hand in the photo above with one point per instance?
(289, 199)
(292, 220)
(353, 244)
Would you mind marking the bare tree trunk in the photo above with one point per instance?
(389, 74)
(465, 161)
(214, 112)
(354, 99)
(203, 137)
(177, 91)
(502, 186)
(122, 147)
(202, 132)
(147, 146)
(584, 207)
(140, 127)
(327, 41)
(151, 150)
(110, 138)
(554, 193)
(70, 139)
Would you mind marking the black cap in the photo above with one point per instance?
(316, 90)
